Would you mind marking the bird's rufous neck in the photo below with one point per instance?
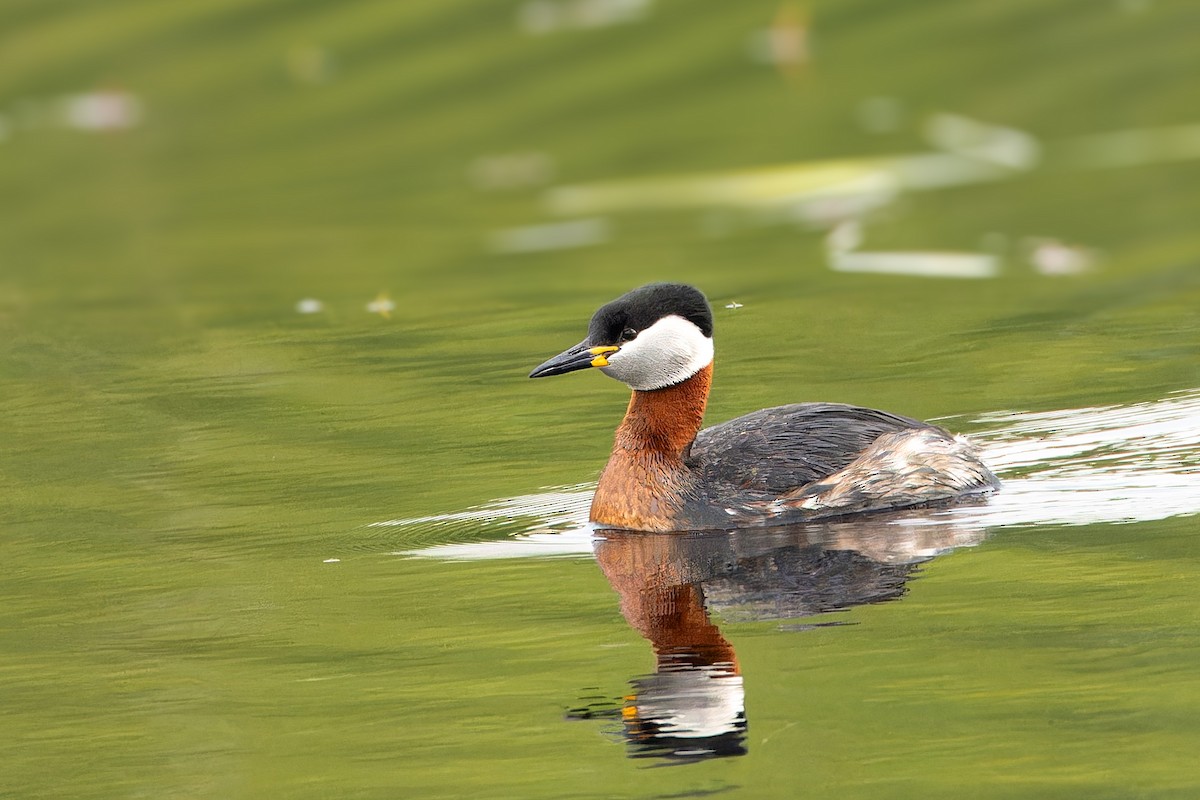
(665, 420)
(644, 484)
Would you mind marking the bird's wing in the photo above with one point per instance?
(779, 449)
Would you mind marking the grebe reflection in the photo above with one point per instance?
(692, 706)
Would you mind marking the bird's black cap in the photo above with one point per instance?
(642, 307)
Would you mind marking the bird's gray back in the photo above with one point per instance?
(777, 449)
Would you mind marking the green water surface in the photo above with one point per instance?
(193, 604)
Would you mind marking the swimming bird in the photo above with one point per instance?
(777, 465)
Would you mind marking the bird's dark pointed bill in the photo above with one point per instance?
(581, 356)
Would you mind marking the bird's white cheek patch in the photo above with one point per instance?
(669, 351)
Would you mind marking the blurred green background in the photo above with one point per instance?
(281, 151)
(201, 200)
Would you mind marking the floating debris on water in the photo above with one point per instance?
(382, 305)
(846, 236)
(785, 44)
(551, 236)
(104, 110)
(997, 144)
(815, 191)
(542, 17)
(929, 264)
(842, 243)
(99, 111)
(1053, 257)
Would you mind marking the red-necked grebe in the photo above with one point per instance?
(777, 465)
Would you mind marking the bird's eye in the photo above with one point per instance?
(629, 334)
